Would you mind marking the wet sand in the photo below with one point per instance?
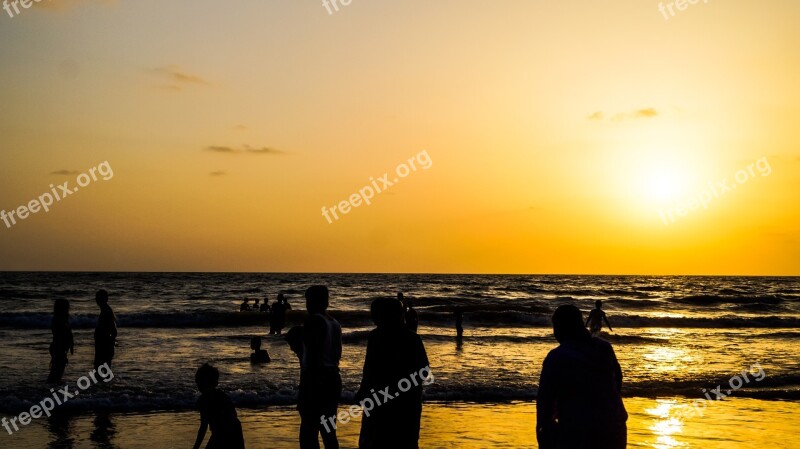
(655, 423)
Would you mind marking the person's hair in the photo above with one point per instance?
(280, 297)
(317, 298)
(400, 296)
(207, 377)
(101, 297)
(568, 324)
(61, 308)
(598, 303)
(255, 343)
(387, 312)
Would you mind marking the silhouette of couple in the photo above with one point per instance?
(63, 344)
(393, 352)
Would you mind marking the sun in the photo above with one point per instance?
(664, 185)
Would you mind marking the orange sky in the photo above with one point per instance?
(556, 131)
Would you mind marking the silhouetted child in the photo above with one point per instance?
(217, 412)
(264, 307)
(62, 341)
(259, 355)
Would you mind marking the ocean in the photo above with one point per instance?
(677, 338)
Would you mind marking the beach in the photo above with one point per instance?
(677, 340)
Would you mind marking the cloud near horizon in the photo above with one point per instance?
(243, 150)
(64, 171)
(639, 113)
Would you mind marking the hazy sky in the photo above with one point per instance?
(561, 135)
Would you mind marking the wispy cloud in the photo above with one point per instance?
(177, 79)
(644, 113)
(217, 173)
(244, 150)
(62, 5)
(64, 172)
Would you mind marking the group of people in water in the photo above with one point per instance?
(579, 403)
(277, 312)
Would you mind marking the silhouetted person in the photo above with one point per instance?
(216, 412)
(579, 404)
(394, 353)
(596, 318)
(278, 317)
(63, 342)
(320, 381)
(411, 317)
(256, 306)
(459, 316)
(105, 335)
(245, 306)
(259, 355)
(264, 307)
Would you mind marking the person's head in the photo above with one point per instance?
(257, 300)
(295, 339)
(409, 302)
(207, 378)
(281, 298)
(598, 304)
(255, 343)
(101, 297)
(317, 299)
(387, 312)
(400, 296)
(245, 301)
(61, 308)
(568, 324)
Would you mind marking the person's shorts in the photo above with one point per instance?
(319, 394)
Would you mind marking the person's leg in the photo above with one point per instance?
(309, 432)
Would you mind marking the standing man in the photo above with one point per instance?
(596, 318)
(320, 381)
(105, 335)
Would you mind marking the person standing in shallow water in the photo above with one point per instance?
(394, 353)
(320, 380)
(579, 403)
(596, 318)
(63, 341)
(105, 335)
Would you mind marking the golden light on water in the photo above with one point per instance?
(665, 426)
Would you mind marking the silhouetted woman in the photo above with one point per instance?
(579, 405)
(395, 358)
(62, 340)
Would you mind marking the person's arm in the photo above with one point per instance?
(201, 432)
(366, 373)
(607, 323)
(586, 324)
(546, 405)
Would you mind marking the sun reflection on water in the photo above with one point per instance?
(665, 426)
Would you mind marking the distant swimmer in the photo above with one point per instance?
(256, 305)
(264, 307)
(245, 307)
(596, 318)
(259, 355)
